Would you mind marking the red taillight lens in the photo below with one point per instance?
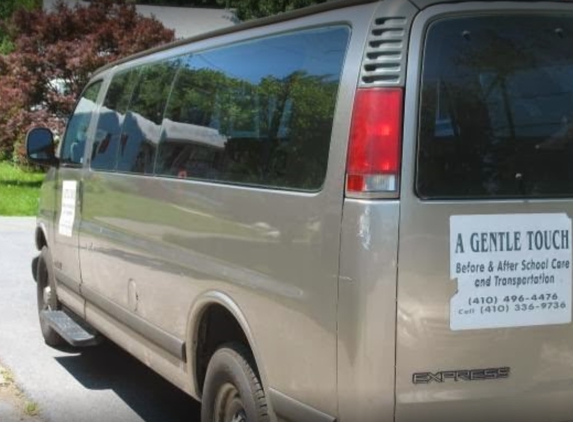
(375, 140)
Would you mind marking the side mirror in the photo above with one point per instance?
(40, 147)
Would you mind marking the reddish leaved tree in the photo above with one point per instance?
(55, 54)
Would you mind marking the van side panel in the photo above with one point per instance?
(369, 247)
(153, 245)
(367, 310)
(234, 240)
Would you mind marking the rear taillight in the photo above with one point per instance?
(375, 141)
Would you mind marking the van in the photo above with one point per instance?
(356, 212)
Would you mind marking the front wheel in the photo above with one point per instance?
(233, 391)
(46, 294)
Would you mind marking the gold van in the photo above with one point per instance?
(354, 212)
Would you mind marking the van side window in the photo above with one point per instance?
(74, 143)
(111, 115)
(142, 124)
(257, 113)
(496, 114)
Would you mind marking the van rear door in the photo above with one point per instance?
(484, 327)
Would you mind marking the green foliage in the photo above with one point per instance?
(244, 9)
(19, 190)
(251, 9)
(155, 84)
(174, 3)
(6, 45)
(7, 9)
(250, 116)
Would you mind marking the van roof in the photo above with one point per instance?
(255, 23)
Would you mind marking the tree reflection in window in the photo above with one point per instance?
(257, 113)
(142, 125)
(111, 115)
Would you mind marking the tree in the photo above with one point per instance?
(7, 9)
(251, 9)
(244, 9)
(56, 53)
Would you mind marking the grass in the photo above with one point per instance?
(19, 190)
(6, 377)
(11, 393)
(31, 408)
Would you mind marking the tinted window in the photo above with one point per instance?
(257, 113)
(74, 143)
(497, 108)
(105, 148)
(142, 124)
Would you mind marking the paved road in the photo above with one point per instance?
(95, 384)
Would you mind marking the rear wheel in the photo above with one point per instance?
(46, 295)
(233, 391)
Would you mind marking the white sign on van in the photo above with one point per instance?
(68, 208)
(513, 270)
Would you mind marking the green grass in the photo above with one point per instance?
(19, 190)
(31, 408)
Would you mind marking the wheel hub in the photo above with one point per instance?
(47, 297)
(229, 406)
(239, 417)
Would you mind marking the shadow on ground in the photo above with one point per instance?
(106, 367)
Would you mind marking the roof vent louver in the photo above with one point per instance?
(385, 58)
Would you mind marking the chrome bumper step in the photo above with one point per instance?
(77, 333)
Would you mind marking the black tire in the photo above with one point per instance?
(233, 391)
(46, 296)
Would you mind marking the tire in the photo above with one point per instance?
(232, 390)
(46, 296)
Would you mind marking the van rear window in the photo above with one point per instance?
(496, 109)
